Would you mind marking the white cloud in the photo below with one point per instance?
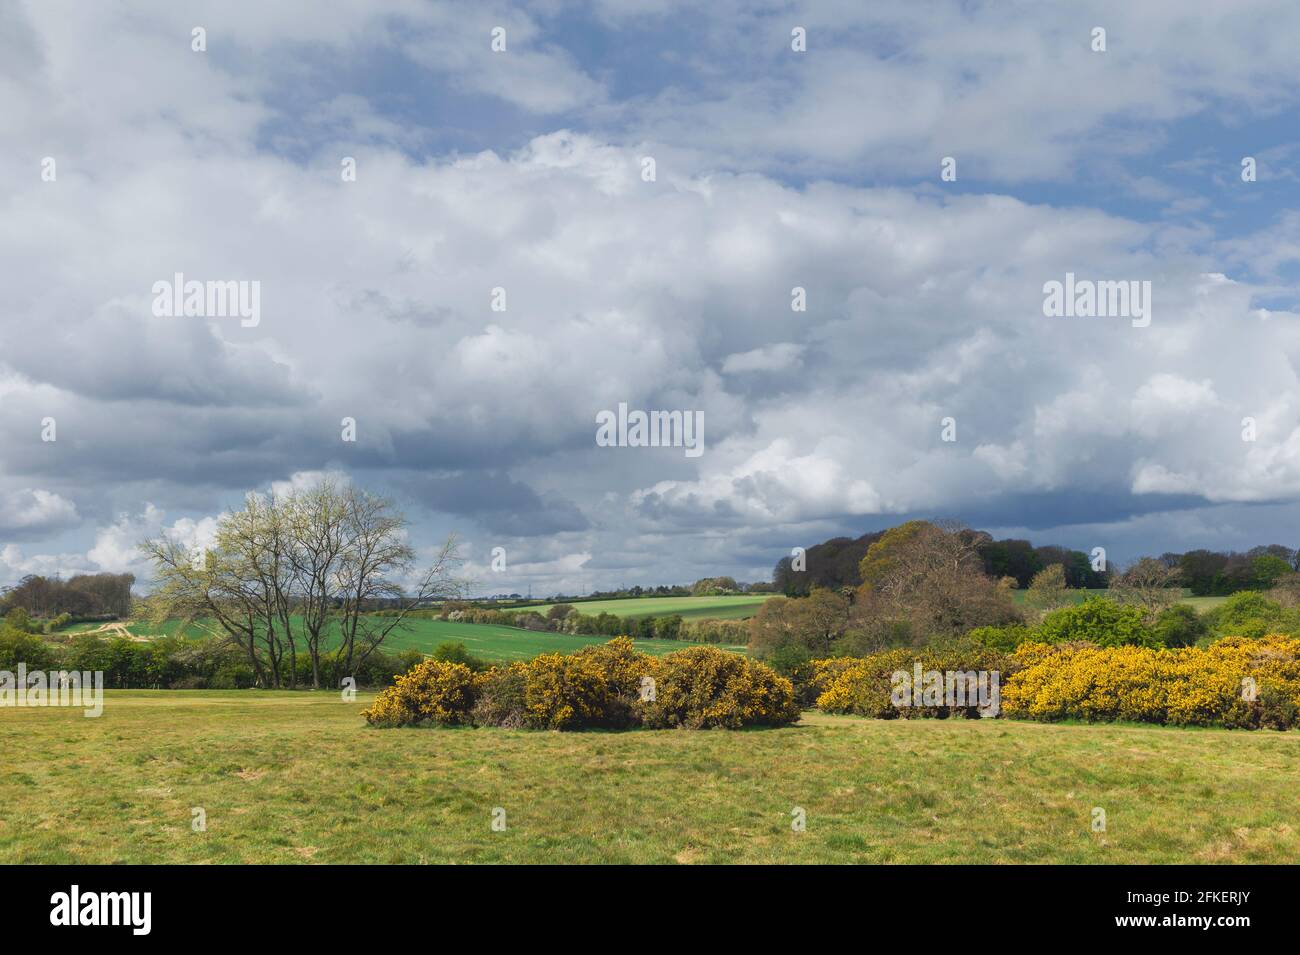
(33, 509)
(116, 547)
(779, 356)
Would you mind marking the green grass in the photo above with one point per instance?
(495, 644)
(76, 627)
(1078, 596)
(1201, 604)
(736, 607)
(296, 777)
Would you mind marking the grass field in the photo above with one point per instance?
(495, 643)
(492, 643)
(299, 777)
(1201, 604)
(691, 608)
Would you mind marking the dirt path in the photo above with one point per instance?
(113, 629)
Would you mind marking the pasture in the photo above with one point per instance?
(495, 644)
(503, 644)
(736, 607)
(1201, 604)
(287, 777)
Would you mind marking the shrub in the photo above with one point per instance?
(1097, 620)
(1277, 708)
(232, 676)
(1083, 681)
(18, 620)
(623, 668)
(501, 697)
(559, 611)
(456, 653)
(733, 632)
(1186, 686)
(668, 628)
(19, 647)
(1179, 626)
(1248, 614)
(865, 686)
(433, 691)
(859, 685)
(566, 692)
(599, 686)
(788, 659)
(704, 687)
(1005, 638)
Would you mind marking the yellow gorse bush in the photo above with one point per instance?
(863, 686)
(432, 691)
(566, 692)
(1188, 686)
(705, 688)
(610, 685)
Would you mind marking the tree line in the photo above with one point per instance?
(83, 595)
(924, 583)
(835, 565)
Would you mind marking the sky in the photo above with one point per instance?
(923, 378)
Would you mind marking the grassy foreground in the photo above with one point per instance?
(298, 777)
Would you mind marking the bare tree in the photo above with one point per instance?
(1149, 584)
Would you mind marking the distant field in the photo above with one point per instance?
(690, 608)
(287, 777)
(1202, 604)
(509, 643)
(492, 643)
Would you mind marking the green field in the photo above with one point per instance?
(494, 643)
(1201, 604)
(488, 642)
(299, 777)
(691, 608)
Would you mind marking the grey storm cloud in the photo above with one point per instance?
(499, 504)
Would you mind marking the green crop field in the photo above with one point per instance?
(496, 643)
(299, 777)
(492, 643)
(735, 607)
